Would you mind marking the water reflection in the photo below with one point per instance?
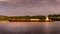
(30, 28)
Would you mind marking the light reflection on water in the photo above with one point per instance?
(30, 27)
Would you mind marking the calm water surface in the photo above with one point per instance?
(30, 27)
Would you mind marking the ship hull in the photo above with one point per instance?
(30, 21)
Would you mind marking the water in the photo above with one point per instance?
(30, 27)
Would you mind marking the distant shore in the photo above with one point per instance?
(54, 17)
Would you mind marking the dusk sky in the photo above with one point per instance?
(29, 7)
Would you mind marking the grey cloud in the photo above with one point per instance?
(29, 7)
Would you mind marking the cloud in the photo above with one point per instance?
(29, 7)
(3, 0)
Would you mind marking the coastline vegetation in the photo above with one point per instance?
(55, 17)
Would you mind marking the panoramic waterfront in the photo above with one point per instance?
(29, 16)
(30, 27)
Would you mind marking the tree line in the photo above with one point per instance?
(52, 17)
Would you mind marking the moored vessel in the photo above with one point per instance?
(32, 20)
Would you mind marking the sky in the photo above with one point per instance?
(29, 7)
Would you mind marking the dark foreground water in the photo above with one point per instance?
(30, 27)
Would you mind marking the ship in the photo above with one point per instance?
(32, 20)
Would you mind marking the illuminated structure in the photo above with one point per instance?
(47, 19)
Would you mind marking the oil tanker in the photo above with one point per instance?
(32, 20)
